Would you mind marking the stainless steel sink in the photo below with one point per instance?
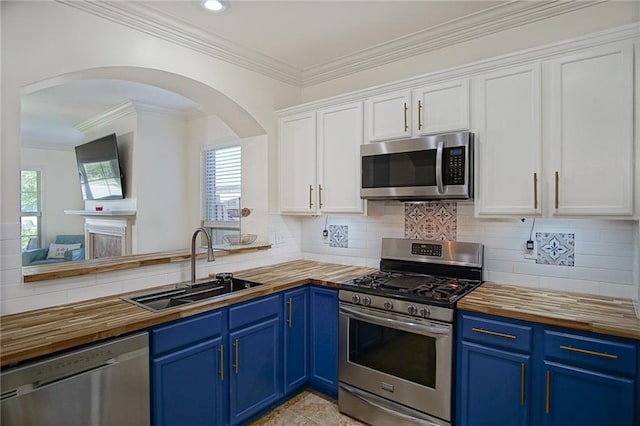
(165, 299)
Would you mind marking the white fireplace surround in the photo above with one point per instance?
(107, 233)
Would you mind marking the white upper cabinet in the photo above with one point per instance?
(340, 134)
(319, 160)
(441, 108)
(591, 146)
(388, 116)
(297, 162)
(426, 110)
(508, 144)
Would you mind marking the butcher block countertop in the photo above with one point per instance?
(32, 334)
(598, 314)
(29, 335)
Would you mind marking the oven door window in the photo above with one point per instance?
(398, 353)
(414, 168)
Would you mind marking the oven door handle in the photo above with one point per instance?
(411, 419)
(412, 327)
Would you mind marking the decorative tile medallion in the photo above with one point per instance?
(431, 221)
(555, 249)
(339, 236)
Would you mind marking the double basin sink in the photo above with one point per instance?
(180, 296)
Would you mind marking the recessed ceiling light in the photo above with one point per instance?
(215, 5)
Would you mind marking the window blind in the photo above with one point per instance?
(221, 186)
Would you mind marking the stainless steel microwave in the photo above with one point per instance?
(433, 167)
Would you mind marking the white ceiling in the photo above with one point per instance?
(299, 42)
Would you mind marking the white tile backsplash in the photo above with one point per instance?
(606, 256)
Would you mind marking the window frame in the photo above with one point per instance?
(38, 213)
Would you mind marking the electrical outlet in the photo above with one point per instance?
(530, 253)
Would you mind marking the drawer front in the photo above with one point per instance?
(186, 332)
(496, 332)
(590, 352)
(252, 311)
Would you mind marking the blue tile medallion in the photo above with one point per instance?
(339, 236)
(555, 248)
(431, 221)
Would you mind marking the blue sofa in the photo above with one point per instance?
(39, 256)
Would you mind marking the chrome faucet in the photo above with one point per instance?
(210, 256)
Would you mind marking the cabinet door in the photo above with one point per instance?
(575, 396)
(255, 369)
(591, 144)
(508, 142)
(494, 386)
(324, 340)
(339, 139)
(388, 116)
(441, 108)
(297, 163)
(296, 339)
(187, 386)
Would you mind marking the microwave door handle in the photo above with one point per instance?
(439, 182)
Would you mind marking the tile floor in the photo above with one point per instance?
(307, 409)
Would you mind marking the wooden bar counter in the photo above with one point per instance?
(598, 314)
(37, 333)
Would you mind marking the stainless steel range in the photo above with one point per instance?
(396, 332)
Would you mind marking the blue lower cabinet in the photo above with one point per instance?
(296, 339)
(324, 340)
(187, 386)
(574, 396)
(512, 372)
(187, 371)
(494, 388)
(255, 376)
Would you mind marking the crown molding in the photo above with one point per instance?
(480, 24)
(623, 34)
(149, 21)
(501, 17)
(100, 120)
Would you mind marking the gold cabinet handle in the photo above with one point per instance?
(319, 195)
(522, 374)
(588, 352)
(236, 347)
(221, 371)
(548, 397)
(535, 191)
(406, 120)
(419, 115)
(310, 196)
(557, 192)
(290, 320)
(493, 333)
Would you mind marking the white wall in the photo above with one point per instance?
(60, 190)
(159, 165)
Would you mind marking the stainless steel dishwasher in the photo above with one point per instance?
(101, 385)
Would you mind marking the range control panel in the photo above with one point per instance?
(426, 249)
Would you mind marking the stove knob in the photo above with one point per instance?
(388, 305)
(366, 300)
(412, 310)
(355, 298)
(425, 312)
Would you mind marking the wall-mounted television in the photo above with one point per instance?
(99, 169)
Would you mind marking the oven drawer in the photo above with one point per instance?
(494, 332)
(589, 352)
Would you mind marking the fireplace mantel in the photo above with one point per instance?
(128, 214)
